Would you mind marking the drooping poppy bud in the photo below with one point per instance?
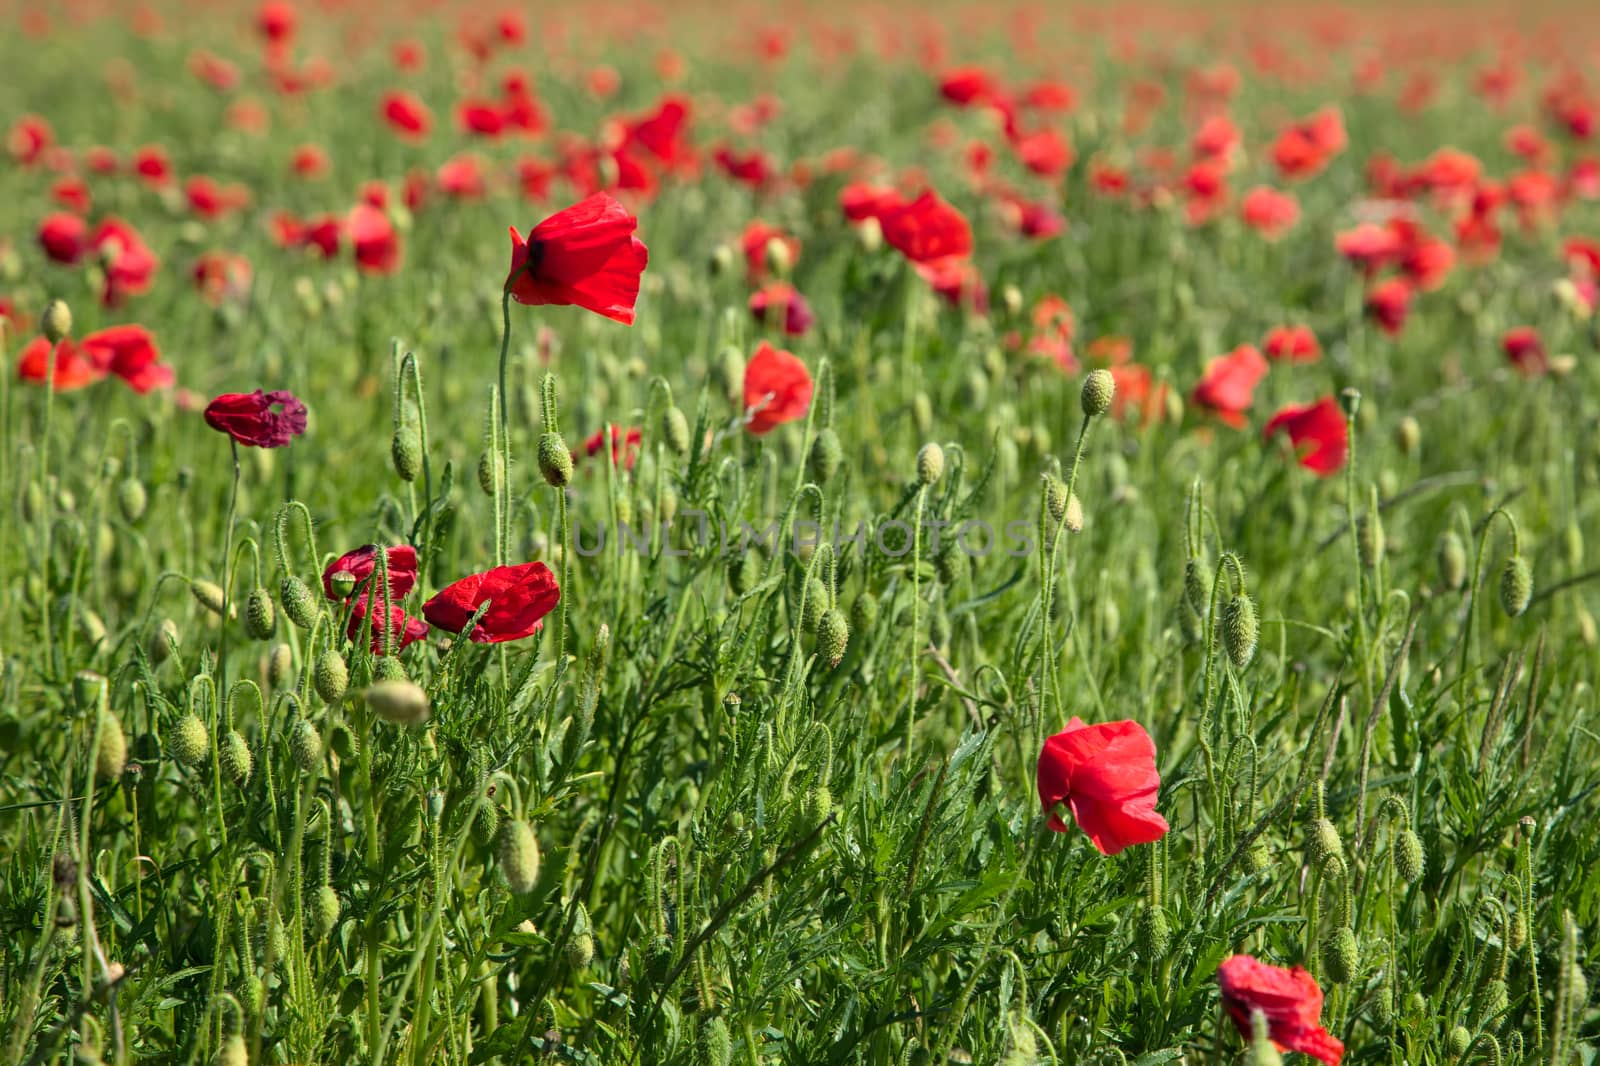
(833, 636)
(235, 758)
(555, 460)
(1516, 586)
(519, 856)
(189, 743)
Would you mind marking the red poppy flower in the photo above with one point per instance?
(1290, 1000)
(1216, 138)
(151, 164)
(406, 114)
(1389, 303)
(1368, 246)
(309, 161)
(74, 369)
(1428, 261)
(756, 242)
(965, 86)
(211, 200)
(72, 193)
(1137, 390)
(1292, 344)
(1045, 152)
(781, 304)
(1317, 431)
(275, 20)
(1525, 349)
(373, 237)
(221, 276)
(64, 238)
(403, 631)
(258, 419)
(956, 281)
(29, 138)
(131, 354)
(408, 55)
(753, 168)
(586, 255)
(861, 201)
(128, 262)
(927, 229)
(624, 445)
(777, 389)
(1228, 386)
(1269, 212)
(363, 561)
(323, 234)
(1107, 775)
(519, 597)
(1037, 219)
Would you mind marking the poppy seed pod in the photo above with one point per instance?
(260, 619)
(406, 451)
(930, 463)
(324, 911)
(1516, 586)
(112, 753)
(299, 605)
(235, 758)
(189, 743)
(1239, 630)
(398, 701)
(555, 461)
(1098, 390)
(208, 594)
(1341, 956)
(519, 856)
(1452, 560)
(675, 431)
(833, 636)
(1153, 933)
(342, 583)
(826, 455)
(1325, 850)
(56, 321)
(305, 744)
(1409, 859)
(131, 499)
(330, 677)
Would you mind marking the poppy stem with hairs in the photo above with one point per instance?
(47, 530)
(502, 535)
(227, 578)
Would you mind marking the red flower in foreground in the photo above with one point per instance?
(519, 598)
(586, 255)
(73, 369)
(927, 229)
(777, 389)
(1318, 432)
(361, 563)
(782, 305)
(403, 631)
(1525, 349)
(1290, 999)
(1107, 774)
(131, 354)
(258, 419)
(1228, 387)
(1294, 344)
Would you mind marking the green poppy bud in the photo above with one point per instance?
(833, 636)
(1516, 586)
(208, 594)
(189, 743)
(816, 601)
(112, 754)
(1452, 560)
(1152, 933)
(131, 499)
(729, 374)
(1341, 956)
(580, 950)
(305, 744)
(864, 613)
(1459, 1041)
(397, 701)
(324, 911)
(280, 666)
(388, 668)
(519, 856)
(555, 461)
(299, 604)
(1072, 518)
(330, 677)
(56, 321)
(744, 572)
(1409, 860)
(235, 759)
(1098, 389)
(715, 1045)
(815, 808)
(1369, 539)
(1325, 850)
(930, 463)
(406, 451)
(491, 470)
(1239, 630)
(675, 431)
(1055, 497)
(827, 455)
(232, 1052)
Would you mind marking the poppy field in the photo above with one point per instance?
(893, 535)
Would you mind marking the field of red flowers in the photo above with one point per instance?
(882, 534)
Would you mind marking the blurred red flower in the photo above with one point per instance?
(1228, 386)
(1292, 344)
(781, 304)
(927, 229)
(1525, 349)
(1317, 431)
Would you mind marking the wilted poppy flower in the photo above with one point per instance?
(406, 114)
(777, 389)
(1525, 349)
(131, 354)
(1106, 773)
(361, 563)
(73, 369)
(1388, 303)
(1229, 384)
(403, 631)
(373, 237)
(258, 419)
(1269, 212)
(1317, 431)
(1290, 1000)
(927, 229)
(519, 596)
(624, 445)
(64, 237)
(781, 304)
(1292, 344)
(586, 256)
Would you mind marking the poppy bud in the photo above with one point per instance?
(1259, 857)
(235, 758)
(1073, 518)
(406, 451)
(816, 597)
(208, 594)
(260, 620)
(190, 743)
(930, 463)
(1452, 560)
(721, 260)
(1153, 933)
(675, 431)
(922, 413)
(864, 613)
(729, 374)
(1341, 956)
(56, 321)
(555, 461)
(1459, 1041)
(1588, 631)
(1409, 860)
(1098, 389)
(91, 626)
(299, 605)
(131, 499)
(1239, 630)
(951, 563)
(1493, 998)
(112, 754)
(398, 701)
(306, 746)
(491, 468)
(88, 690)
(519, 856)
(161, 641)
(779, 259)
(833, 635)
(1408, 435)
(232, 1052)
(814, 809)
(744, 572)
(716, 1043)
(1055, 497)
(388, 668)
(826, 455)
(486, 822)
(280, 666)
(1325, 850)
(1516, 586)
(330, 676)
(324, 911)
(1517, 932)
(1369, 538)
